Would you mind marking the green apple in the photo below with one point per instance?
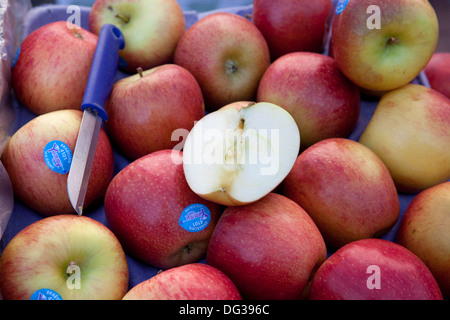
(383, 45)
(77, 258)
(152, 29)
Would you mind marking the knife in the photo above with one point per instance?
(98, 88)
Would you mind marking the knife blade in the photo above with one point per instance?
(98, 88)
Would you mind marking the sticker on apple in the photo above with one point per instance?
(341, 6)
(58, 156)
(45, 294)
(195, 217)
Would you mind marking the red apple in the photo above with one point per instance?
(438, 72)
(383, 45)
(145, 109)
(151, 28)
(374, 269)
(269, 249)
(311, 88)
(227, 54)
(346, 189)
(154, 213)
(424, 230)
(53, 67)
(194, 281)
(290, 26)
(67, 257)
(38, 158)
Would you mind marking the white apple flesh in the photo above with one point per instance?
(236, 157)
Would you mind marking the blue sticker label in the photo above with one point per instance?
(341, 6)
(195, 217)
(45, 294)
(16, 58)
(58, 156)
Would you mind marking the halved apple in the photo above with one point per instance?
(235, 157)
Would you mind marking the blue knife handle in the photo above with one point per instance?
(103, 70)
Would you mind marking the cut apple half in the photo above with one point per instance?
(235, 157)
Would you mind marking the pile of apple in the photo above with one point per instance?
(237, 135)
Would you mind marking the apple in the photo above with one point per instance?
(193, 281)
(269, 249)
(157, 218)
(424, 230)
(409, 132)
(291, 26)
(53, 67)
(72, 257)
(346, 189)
(384, 45)
(227, 54)
(323, 102)
(438, 72)
(145, 109)
(374, 269)
(236, 156)
(151, 28)
(38, 157)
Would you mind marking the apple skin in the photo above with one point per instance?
(147, 198)
(323, 102)
(53, 67)
(145, 111)
(227, 54)
(269, 248)
(194, 281)
(346, 189)
(152, 33)
(291, 26)
(409, 132)
(424, 230)
(40, 188)
(39, 255)
(345, 275)
(438, 72)
(391, 56)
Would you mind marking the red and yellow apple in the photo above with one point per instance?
(145, 109)
(438, 72)
(38, 157)
(374, 269)
(227, 54)
(269, 249)
(75, 257)
(346, 189)
(424, 230)
(53, 67)
(409, 132)
(193, 281)
(156, 216)
(151, 28)
(384, 45)
(291, 26)
(323, 102)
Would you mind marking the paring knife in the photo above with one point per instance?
(98, 88)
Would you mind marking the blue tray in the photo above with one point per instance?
(22, 216)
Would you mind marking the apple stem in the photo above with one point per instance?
(122, 17)
(392, 40)
(140, 71)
